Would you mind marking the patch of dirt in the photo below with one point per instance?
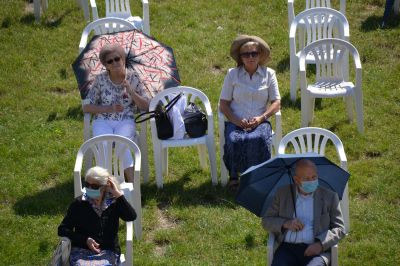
(164, 222)
(216, 69)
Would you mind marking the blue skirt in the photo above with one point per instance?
(246, 148)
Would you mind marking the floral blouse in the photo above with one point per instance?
(104, 92)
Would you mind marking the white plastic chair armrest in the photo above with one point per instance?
(129, 243)
(86, 126)
(95, 14)
(83, 42)
(334, 256)
(278, 126)
(290, 11)
(270, 248)
(146, 17)
(77, 175)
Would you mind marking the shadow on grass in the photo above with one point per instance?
(52, 201)
(74, 113)
(283, 65)
(177, 193)
(374, 22)
(48, 22)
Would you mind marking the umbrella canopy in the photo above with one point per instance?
(259, 184)
(153, 61)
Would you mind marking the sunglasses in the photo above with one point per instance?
(116, 59)
(249, 54)
(92, 186)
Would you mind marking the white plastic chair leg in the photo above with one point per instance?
(349, 107)
(293, 78)
(165, 161)
(359, 109)
(202, 155)
(213, 162)
(334, 256)
(144, 151)
(158, 158)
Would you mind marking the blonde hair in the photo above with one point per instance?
(100, 175)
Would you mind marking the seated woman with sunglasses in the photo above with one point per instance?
(92, 220)
(114, 97)
(249, 96)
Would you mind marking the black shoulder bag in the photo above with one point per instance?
(195, 121)
(164, 126)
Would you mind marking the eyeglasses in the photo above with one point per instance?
(92, 186)
(116, 59)
(249, 54)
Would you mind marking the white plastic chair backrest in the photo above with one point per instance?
(109, 153)
(313, 140)
(191, 95)
(319, 23)
(330, 67)
(104, 26)
(314, 3)
(118, 8)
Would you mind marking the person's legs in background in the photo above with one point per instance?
(126, 128)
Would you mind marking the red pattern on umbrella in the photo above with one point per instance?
(153, 61)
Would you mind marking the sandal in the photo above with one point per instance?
(233, 184)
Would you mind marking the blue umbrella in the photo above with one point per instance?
(259, 184)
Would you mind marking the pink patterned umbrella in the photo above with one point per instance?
(153, 61)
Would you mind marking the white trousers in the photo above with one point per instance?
(125, 128)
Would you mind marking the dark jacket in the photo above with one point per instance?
(82, 222)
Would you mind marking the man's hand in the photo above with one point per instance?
(313, 249)
(93, 245)
(293, 225)
(116, 108)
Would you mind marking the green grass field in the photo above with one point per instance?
(189, 222)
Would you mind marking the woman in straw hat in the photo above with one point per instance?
(249, 96)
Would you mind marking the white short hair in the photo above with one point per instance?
(100, 175)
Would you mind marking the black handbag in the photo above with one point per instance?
(164, 126)
(195, 121)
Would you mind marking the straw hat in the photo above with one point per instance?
(242, 39)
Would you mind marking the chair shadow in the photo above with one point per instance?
(283, 65)
(53, 201)
(374, 22)
(49, 22)
(74, 113)
(206, 194)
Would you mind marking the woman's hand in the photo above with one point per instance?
(116, 108)
(112, 188)
(255, 121)
(127, 87)
(93, 245)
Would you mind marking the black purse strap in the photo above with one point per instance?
(151, 114)
(173, 102)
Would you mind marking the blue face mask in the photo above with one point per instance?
(309, 186)
(93, 193)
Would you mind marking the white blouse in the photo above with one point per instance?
(250, 96)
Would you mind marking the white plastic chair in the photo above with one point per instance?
(276, 137)
(121, 9)
(313, 141)
(311, 25)
(161, 146)
(312, 4)
(114, 25)
(331, 79)
(109, 152)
